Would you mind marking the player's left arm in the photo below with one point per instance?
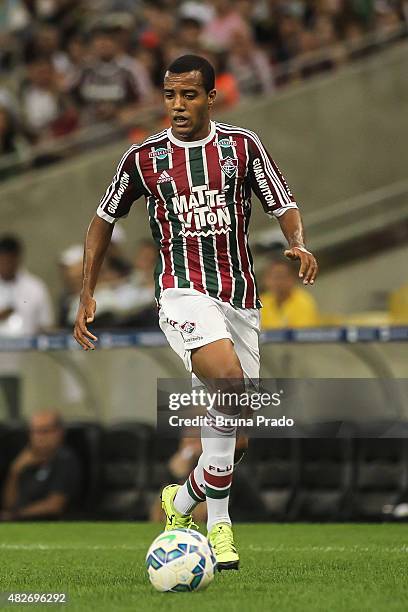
(270, 186)
(292, 228)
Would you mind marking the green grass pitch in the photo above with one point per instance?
(292, 568)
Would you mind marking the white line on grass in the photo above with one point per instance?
(80, 547)
(251, 548)
(324, 549)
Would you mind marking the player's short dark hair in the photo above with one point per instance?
(188, 63)
(10, 244)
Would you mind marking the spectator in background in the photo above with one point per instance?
(107, 86)
(25, 308)
(226, 83)
(188, 36)
(144, 265)
(8, 143)
(47, 110)
(398, 306)
(12, 141)
(225, 24)
(12, 137)
(46, 43)
(250, 66)
(125, 294)
(70, 266)
(203, 11)
(25, 305)
(77, 55)
(160, 24)
(285, 304)
(114, 292)
(44, 479)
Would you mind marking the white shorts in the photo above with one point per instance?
(191, 319)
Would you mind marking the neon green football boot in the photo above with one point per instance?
(174, 520)
(222, 540)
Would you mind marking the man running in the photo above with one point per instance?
(197, 178)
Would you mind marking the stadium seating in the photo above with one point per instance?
(157, 474)
(85, 440)
(381, 476)
(14, 440)
(124, 462)
(274, 467)
(325, 472)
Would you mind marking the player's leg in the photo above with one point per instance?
(210, 350)
(190, 320)
(244, 328)
(218, 366)
(212, 476)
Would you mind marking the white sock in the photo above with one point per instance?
(192, 492)
(218, 464)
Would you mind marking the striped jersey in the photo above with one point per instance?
(198, 197)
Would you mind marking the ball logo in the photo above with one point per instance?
(188, 327)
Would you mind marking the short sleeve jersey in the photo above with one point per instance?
(198, 197)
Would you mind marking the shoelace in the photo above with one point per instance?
(226, 543)
(186, 522)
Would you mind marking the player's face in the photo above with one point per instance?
(188, 104)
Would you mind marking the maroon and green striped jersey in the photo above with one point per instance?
(198, 196)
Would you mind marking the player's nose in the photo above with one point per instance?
(178, 103)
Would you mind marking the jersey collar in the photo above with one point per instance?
(192, 143)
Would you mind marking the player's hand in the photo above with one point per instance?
(308, 264)
(85, 315)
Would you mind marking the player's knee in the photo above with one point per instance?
(232, 371)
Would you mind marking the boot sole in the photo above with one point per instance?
(231, 565)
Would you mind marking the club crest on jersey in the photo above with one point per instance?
(160, 153)
(188, 327)
(225, 143)
(229, 166)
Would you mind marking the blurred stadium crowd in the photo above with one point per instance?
(67, 65)
(125, 292)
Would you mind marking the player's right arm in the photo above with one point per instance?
(126, 187)
(96, 244)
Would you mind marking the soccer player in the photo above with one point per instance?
(197, 178)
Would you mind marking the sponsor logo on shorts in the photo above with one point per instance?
(188, 327)
(160, 153)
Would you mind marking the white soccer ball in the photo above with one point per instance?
(180, 560)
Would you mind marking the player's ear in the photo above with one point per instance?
(211, 97)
